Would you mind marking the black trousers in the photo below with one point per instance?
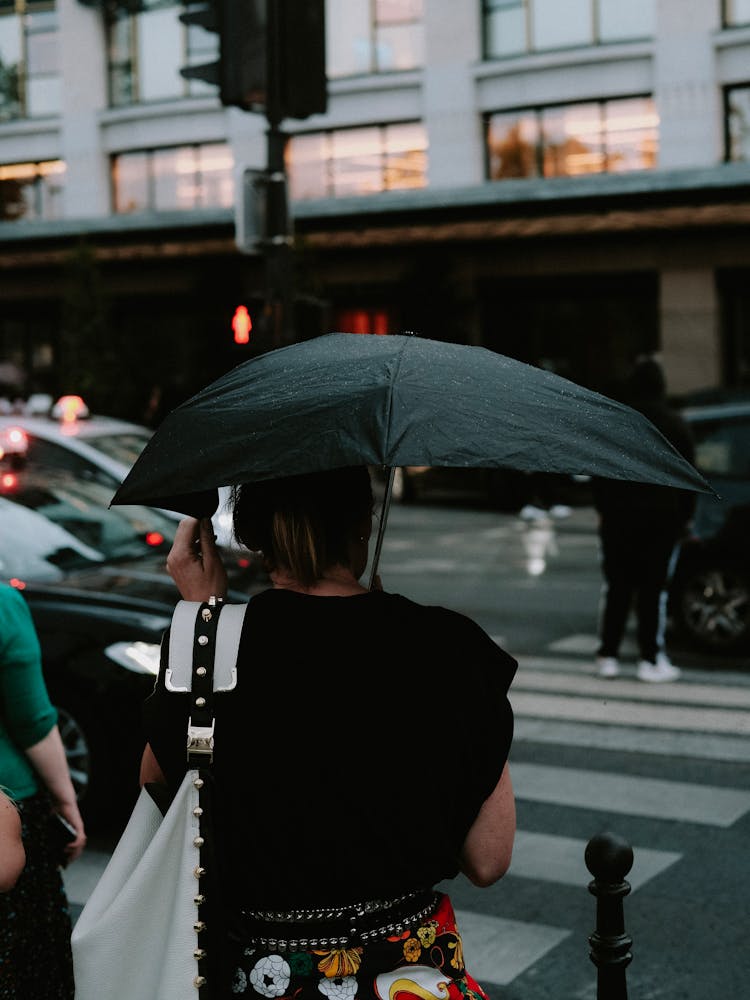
(638, 555)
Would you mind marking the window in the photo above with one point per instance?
(373, 36)
(737, 123)
(31, 190)
(175, 179)
(567, 140)
(357, 161)
(146, 51)
(512, 27)
(736, 12)
(29, 71)
(366, 320)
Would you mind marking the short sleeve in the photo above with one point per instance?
(29, 713)
(481, 720)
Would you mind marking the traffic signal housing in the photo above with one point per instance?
(271, 54)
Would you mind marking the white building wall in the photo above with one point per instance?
(84, 96)
(452, 46)
(687, 97)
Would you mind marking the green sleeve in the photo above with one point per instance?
(28, 714)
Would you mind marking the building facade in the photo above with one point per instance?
(563, 181)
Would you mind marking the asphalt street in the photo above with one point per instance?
(666, 767)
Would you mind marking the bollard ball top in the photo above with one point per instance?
(608, 857)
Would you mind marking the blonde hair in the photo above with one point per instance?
(304, 524)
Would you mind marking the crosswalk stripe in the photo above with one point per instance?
(715, 695)
(629, 795)
(553, 858)
(620, 712)
(497, 950)
(668, 743)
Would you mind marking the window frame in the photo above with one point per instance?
(537, 112)
(489, 7)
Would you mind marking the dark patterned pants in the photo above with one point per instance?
(35, 956)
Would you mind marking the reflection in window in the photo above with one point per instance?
(736, 12)
(146, 51)
(176, 179)
(357, 161)
(512, 27)
(567, 140)
(373, 36)
(29, 71)
(377, 321)
(31, 190)
(737, 104)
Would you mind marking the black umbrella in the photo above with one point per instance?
(345, 399)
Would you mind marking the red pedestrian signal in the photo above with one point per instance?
(242, 325)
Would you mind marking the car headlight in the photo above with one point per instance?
(140, 657)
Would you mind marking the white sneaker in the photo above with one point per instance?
(607, 666)
(531, 513)
(560, 510)
(659, 672)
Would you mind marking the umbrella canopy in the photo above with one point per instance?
(346, 399)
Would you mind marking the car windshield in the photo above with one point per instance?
(124, 446)
(54, 523)
(722, 447)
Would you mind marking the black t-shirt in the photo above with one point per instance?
(352, 757)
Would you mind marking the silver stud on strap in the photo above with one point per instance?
(202, 640)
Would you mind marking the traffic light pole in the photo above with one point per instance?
(278, 247)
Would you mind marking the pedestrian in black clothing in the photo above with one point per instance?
(640, 530)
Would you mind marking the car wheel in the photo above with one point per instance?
(713, 608)
(77, 752)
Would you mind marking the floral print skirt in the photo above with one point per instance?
(426, 962)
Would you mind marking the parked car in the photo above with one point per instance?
(96, 584)
(63, 434)
(710, 594)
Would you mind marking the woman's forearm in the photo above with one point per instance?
(50, 763)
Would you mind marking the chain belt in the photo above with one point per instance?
(337, 926)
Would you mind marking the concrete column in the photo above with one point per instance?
(452, 47)
(688, 100)
(84, 90)
(690, 331)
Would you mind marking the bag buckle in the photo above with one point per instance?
(200, 740)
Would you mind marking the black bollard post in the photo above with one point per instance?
(609, 858)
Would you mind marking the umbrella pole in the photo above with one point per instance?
(381, 526)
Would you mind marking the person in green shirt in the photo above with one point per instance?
(35, 922)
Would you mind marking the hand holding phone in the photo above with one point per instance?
(62, 834)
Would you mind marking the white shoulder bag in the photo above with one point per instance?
(141, 934)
